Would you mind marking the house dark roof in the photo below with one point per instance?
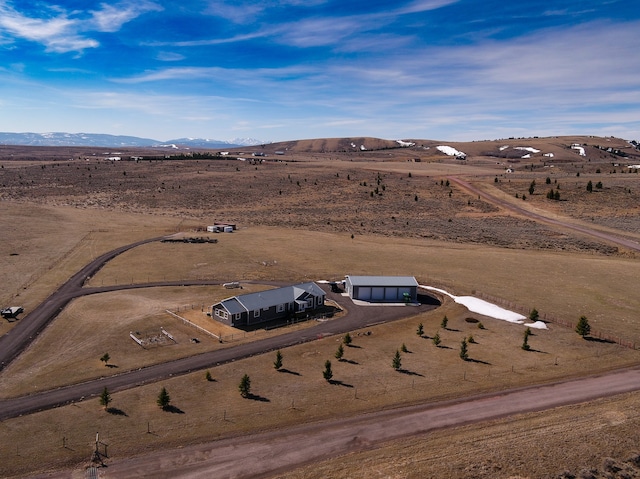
(383, 281)
(270, 297)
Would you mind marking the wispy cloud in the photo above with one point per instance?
(110, 18)
(63, 31)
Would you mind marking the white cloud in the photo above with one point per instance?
(110, 18)
(61, 32)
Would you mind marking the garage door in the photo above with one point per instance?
(364, 293)
(377, 294)
(390, 294)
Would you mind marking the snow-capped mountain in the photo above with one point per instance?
(114, 141)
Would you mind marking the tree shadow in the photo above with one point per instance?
(478, 361)
(409, 373)
(354, 346)
(257, 397)
(443, 346)
(173, 409)
(111, 365)
(116, 412)
(336, 382)
(350, 361)
(285, 370)
(598, 340)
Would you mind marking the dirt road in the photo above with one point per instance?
(264, 455)
(589, 231)
(14, 342)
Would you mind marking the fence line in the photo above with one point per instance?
(551, 318)
(189, 323)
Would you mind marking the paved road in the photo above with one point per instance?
(267, 454)
(611, 238)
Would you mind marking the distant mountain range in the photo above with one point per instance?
(117, 141)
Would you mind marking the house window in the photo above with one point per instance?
(256, 313)
(280, 308)
(319, 298)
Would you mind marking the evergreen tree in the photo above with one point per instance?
(525, 342)
(436, 340)
(339, 353)
(245, 386)
(403, 348)
(208, 377)
(105, 398)
(583, 328)
(444, 322)
(532, 187)
(327, 373)
(278, 362)
(164, 399)
(534, 315)
(464, 352)
(589, 186)
(347, 339)
(105, 358)
(420, 330)
(397, 361)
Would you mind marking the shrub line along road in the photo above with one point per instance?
(282, 449)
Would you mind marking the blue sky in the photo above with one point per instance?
(293, 69)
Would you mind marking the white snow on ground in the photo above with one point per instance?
(580, 149)
(449, 150)
(527, 148)
(526, 156)
(480, 306)
(634, 167)
(362, 148)
(405, 143)
(353, 145)
(549, 155)
(504, 147)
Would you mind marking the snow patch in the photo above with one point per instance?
(502, 148)
(527, 148)
(362, 148)
(405, 144)
(526, 156)
(549, 155)
(580, 149)
(449, 150)
(480, 306)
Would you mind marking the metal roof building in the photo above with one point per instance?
(382, 289)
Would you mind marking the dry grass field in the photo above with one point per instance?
(320, 214)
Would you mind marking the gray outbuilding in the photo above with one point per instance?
(382, 289)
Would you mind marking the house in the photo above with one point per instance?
(382, 289)
(254, 308)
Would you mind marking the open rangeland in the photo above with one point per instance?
(318, 216)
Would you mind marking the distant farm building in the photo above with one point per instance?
(382, 289)
(280, 303)
(221, 228)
